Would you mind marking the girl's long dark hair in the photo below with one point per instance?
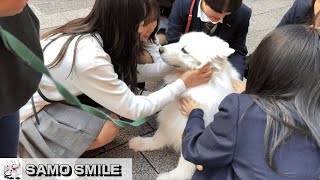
(117, 22)
(284, 72)
(153, 15)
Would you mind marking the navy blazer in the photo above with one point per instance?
(298, 13)
(233, 30)
(231, 149)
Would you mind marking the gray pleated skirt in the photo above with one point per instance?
(64, 132)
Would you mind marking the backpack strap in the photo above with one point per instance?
(190, 16)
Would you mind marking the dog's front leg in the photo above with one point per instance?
(149, 143)
(184, 170)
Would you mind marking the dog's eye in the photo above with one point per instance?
(184, 51)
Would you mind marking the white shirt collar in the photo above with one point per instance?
(203, 17)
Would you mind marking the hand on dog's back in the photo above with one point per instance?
(197, 77)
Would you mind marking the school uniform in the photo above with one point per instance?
(299, 13)
(64, 131)
(232, 146)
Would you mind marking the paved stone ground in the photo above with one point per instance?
(147, 165)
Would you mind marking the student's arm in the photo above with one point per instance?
(214, 145)
(155, 71)
(238, 59)
(94, 75)
(288, 18)
(11, 7)
(152, 72)
(177, 22)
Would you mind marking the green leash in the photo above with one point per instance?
(17, 47)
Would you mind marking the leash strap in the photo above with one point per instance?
(190, 16)
(18, 48)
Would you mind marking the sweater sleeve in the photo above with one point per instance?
(214, 145)
(152, 72)
(95, 77)
(155, 71)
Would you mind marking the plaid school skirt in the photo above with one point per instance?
(64, 132)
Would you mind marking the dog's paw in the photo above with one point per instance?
(174, 175)
(138, 144)
(171, 176)
(164, 176)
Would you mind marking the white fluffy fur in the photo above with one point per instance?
(193, 51)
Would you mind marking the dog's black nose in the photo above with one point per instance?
(161, 50)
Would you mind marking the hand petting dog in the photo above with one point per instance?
(196, 77)
(187, 105)
(238, 86)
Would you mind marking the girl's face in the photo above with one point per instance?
(316, 6)
(213, 15)
(11, 7)
(145, 30)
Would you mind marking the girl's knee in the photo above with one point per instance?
(108, 133)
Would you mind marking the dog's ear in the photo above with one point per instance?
(227, 51)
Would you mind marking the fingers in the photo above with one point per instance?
(184, 108)
(183, 102)
(235, 82)
(184, 113)
(238, 86)
(204, 68)
(199, 167)
(205, 74)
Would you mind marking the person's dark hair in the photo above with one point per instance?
(221, 6)
(152, 14)
(117, 22)
(284, 72)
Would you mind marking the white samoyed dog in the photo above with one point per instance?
(193, 51)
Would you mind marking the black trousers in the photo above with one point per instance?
(9, 135)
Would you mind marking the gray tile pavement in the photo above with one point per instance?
(146, 165)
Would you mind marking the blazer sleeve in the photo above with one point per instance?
(214, 145)
(298, 13)
(288, 18)
(177, 21)
(238, 59)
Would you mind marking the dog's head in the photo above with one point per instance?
(196, 49)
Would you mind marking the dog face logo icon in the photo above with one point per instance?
(11, 169)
